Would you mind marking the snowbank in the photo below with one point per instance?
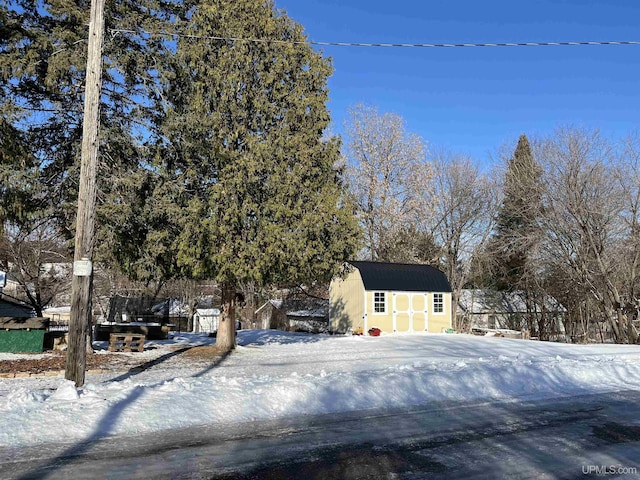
(276, 374)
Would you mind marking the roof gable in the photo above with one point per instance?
(402, 277)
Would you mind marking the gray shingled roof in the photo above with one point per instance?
(478, 301)
(402, 277)
(9, 308)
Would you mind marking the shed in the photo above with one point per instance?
(295, 314)
(394, 297)
(206, 320)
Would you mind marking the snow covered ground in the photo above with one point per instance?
(275, 374)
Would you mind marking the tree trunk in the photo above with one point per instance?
(626, 323)
(226, 337)
(613, 322)
(457, 326)
(89, 342)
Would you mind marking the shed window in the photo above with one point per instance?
(379, 302)
(438, 303)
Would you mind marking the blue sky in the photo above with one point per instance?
(473, 100)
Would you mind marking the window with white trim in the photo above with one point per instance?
(438, 303)
(379, 302)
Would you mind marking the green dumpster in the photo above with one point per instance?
(22, 335)
(21, 341)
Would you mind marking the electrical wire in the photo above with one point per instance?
(116, 31)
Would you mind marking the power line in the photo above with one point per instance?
(452, 45)
(115, 31)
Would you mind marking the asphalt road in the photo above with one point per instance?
(594, 436)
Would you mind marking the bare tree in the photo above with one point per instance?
(628, 174)
(464, 203)
(36, 258)
(584, 219)
(387, 173)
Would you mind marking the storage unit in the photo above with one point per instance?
(393, 297)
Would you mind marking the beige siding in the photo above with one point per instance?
(383, 321)
(419, 322)
(346, 300)
(418, 306)
(438, 322)
(402, 311)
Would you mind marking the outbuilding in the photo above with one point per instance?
(393, 297)
(295, 315)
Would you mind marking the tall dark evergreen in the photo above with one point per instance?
(263, 200)
(517, 223)
(514, 246)
(43, 49)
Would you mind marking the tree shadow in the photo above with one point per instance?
(455, 440)
(339, 320)
(147, 365)
(255, 338)
(105, 426)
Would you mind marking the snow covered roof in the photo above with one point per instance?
(480, 301)
(51, 310)
(176, 308)
(295, 307)
(269, 303)
(208, 312)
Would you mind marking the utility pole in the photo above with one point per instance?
(82, 260)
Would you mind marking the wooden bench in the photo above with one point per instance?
(126, 342)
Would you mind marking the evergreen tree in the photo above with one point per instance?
(263, 200)
(212, 151)
(517, 232)
(43, 55)
(517, 220)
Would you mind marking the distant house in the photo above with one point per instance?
(9, 285)
(14, 309)
(489, 309)
(393, 297)
(296, 315)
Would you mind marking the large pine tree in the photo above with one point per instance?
(213, 151)
(517, 223)
(43, 47)
(263, 200)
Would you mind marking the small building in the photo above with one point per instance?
(206, 320)
(9, 285)
(295, 315)
(485, 309)
(393, 297)
(15, 309)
